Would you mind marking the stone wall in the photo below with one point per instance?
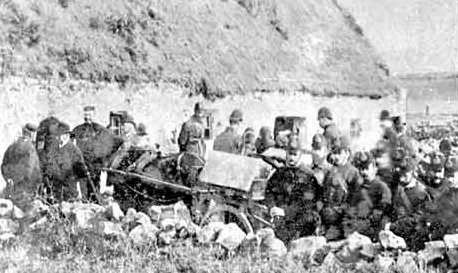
(30, 101)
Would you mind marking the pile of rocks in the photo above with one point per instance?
(167, 225)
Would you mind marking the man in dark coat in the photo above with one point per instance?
(85, 135)
(66, 170)
(21, 167)
(230, 141)
(191, 138)
(331, 133)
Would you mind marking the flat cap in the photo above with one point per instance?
(384, 115)
(63, 128)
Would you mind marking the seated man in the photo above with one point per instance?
(373, 204)
(434, 177)
(292, 195)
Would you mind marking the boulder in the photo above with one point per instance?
(143, 235)
(230, 236)
(17, 213)
(110, 229)
(66, 208)
(406, 263)
(6, 237)
(268, 244)
(389, 240)
(331, 263)
(84, 218)
(273, 247)
(36, 210)
(143, 219)
(114, 212)
(384, 263)
(129, 218)
(357, 247)
(433, 250)
(451, 244)
(250, 243)
(8, 226)
(6, 208)
(167, 237)
(304, 248)
(209, 232)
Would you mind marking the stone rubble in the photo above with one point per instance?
(167, 225)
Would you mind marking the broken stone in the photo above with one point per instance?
(6, 208)
(167, 237)
(230, 236)
(114, 212)
(357, 245)
(143, 235)
(143, 219)
(406, 263)
(273, 247)
(384, 263)
(209, 232)
(451, 244)
(331, 262)
(250, 244)
(433, 250)
(304, 248)
(36, 210)
(391, 241)
(17, 213)
(154, 213)
(6, 237)
(66, 208)
(111, 229)
(39, 223)
(8, 226)
(84, 218)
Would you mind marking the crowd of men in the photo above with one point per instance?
(323, 189)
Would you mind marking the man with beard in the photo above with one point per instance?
(437, 183)
(374, 201)
(21, 168)
(293, 196)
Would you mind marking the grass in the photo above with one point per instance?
(214, 48)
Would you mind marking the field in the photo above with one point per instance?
(440, 95)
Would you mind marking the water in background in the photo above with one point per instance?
(440, 96)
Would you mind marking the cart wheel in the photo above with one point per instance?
(230, 214)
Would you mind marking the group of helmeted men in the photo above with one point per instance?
(323, 189)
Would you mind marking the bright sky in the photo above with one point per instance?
(413, 36)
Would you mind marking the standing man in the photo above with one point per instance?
(230, 141)
(66, 170)
(86, 135)
(191, 138)
(21, 168)
(331, 133)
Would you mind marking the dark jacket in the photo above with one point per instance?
(191, 138)
(66, 167)
(228, 141)
(21, 164)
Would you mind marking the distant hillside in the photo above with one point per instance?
(413, 36)
(213, 47)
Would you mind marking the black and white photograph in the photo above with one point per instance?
(221, 136)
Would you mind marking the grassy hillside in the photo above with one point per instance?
(213, 47)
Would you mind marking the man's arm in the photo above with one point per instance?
(183, 137)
